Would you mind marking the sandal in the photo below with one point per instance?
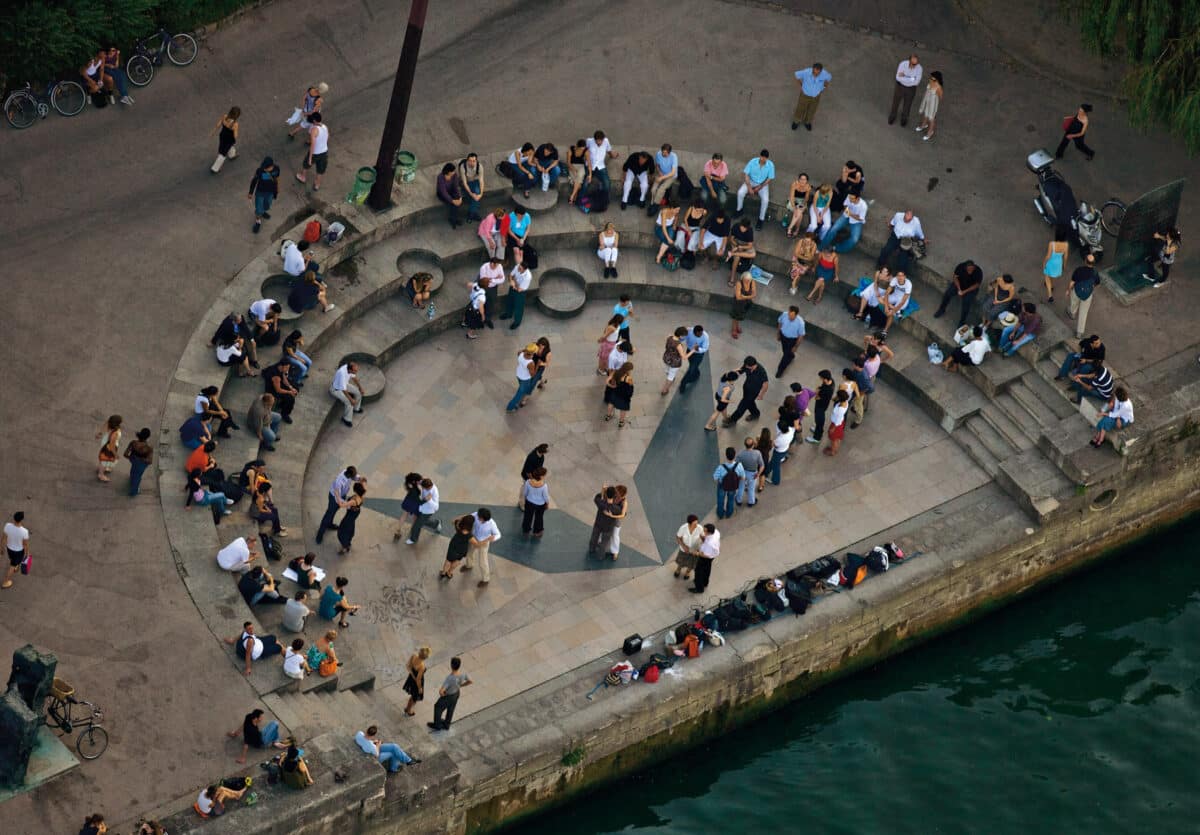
(620, 424)
(407, 713)
(607, 418)
(8, 584)
(676, 574)
(542, 384)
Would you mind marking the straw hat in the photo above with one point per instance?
(1008, 318)
(323, 88)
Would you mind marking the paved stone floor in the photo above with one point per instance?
(548, 608)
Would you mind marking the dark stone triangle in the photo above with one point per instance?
(563, 549)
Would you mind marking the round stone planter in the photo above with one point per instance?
(562, 293)
(538, 201)
(420, 261)
(277, 287)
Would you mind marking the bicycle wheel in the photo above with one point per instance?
(1112, 214)
(139, 70)
(68, 98)
(182, 49)
(21, 110)
(92, 742)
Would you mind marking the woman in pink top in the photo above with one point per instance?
(493, 231)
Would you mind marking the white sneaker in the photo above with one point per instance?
(792, 291)
(229, 501)
(926, 138)
(811, 440)
(919, 128)
(126, 100)
(409, 542)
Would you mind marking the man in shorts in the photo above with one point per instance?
(318, 151)
(16, 541)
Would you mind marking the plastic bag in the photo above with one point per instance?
(761, 276)
(335, 231)
(295, 118)
(935, 354)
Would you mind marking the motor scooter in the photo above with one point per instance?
(1056, 203)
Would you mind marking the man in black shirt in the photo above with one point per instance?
(965, 284)
(754, 388)
(637, 165)
(536, 458)
(716, 236)
(1079, 293)
(824, 397)
(276, 382)
(1090, 350)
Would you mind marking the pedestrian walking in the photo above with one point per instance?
(695, 344)
(674, 355)
(477, 310)
(820, 405)
(430, 501)
(605, 521)
(339, 492)
(728, 475)
(930, 103)
(723, 395)
(754, 388)
(689, 536)
(347, 390)
(443, 708)
(1056, 258)
(908, 76)
(813, 81)
(16, 542)
(410, 503)
(111, 432)
(140, 456)
(854, 396)
(837, 423)
(1074, 129)
(757, 177)
(710, 549)
(318, 152)
(525, 370)
(459, 545)
(514, 301)
(536, 497)
(264, 187)
(618, 393)
(745, 291)
(785, 433)
(1080, 292)
(414, 684)
(310, 104)
(484, 532)
(353, 507)
(227, 135)
(790, 333)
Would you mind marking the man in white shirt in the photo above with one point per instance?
(710, 549)
(266, 313)
(514, 303)
(525, 369)
(295, 260)
(430, 501)
(899, 292)
(483, 534)
(237, 555)
(970, 354)
(599, 151)
(16, 542)
(491, 276)
(854, 215)
(344, 379)
(908, 76)
(338, 490)
(906, 231)
(619, 355)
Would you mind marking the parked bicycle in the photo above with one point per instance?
(1112, 214)
(148, 54)
(24, 105)
(93, 739)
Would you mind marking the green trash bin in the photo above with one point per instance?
(406, 166)
(363, 180)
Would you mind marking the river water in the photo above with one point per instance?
(1076, 710)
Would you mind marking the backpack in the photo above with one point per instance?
(632, 645)
(336, 230)
(670, 262)
(506, 170)
(687, 261)
(878, 559)
(730, 480)
(855, 570)
(530, 256)
(798, 596)
(599, 200)
(312, 231)
(684, 183)
(818, 569)
(271, 547)
(768, 600)
(584, 204)
(650, 675)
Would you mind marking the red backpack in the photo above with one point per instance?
(312, 231)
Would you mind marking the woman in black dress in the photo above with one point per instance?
(852, 181)
(618, 393)
(456, 551)
(353, 507)
(414, 685)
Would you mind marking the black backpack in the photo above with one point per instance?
(768, 599)
(798, 596)
(818, 569)
(271, 547)
(687, 261)
(600, 197)
(730, 480)
(684, 183)
(529, 256)
(877, 559)
(506, 170)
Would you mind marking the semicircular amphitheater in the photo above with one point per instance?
(993, 449)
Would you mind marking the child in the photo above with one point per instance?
(837, 423)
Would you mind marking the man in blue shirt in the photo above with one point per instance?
(757, 177)
(790, 333)
(666, 168)
(812, 83)
(697, 346)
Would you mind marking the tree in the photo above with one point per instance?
(1161, 40)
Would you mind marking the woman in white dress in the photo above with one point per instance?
(608, 240)
(929, 106)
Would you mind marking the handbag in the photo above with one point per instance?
(27, 564)
(529, 256)
(1066, 124)
(327, 667)
(295, 118)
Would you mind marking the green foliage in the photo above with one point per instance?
(46, 39)
(1161, 40)
(574, 757)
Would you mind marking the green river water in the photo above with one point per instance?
(1076, 710)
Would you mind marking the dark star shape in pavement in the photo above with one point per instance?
(563, 548)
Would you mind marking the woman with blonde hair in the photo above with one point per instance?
(609, 239)
(414, 685)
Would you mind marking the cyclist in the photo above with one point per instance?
(95, 79)
(112, 67)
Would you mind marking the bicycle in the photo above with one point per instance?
(1112, 214)
(23, 106)
(148, 52)
(93, 739)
